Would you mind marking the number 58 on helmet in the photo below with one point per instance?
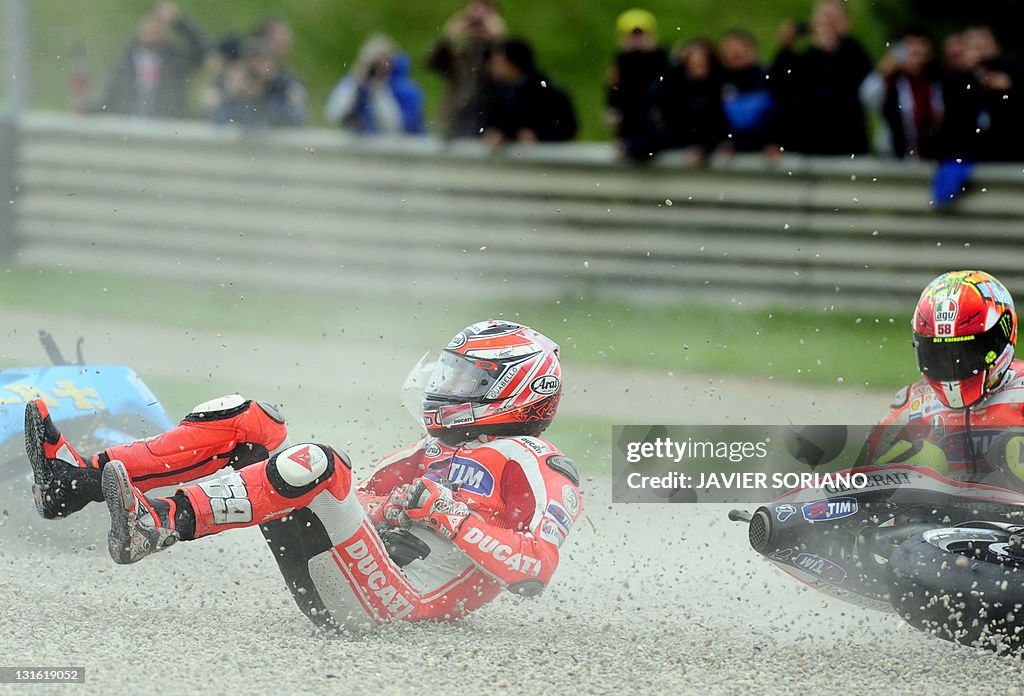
(965, 329)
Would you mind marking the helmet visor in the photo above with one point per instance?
(953, 358)
(415, 385)
(460, 378)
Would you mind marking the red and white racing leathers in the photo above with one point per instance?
(523, 496)
(917, 416)
(522, 493)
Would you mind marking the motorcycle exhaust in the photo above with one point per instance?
(776, 530)
(760, 529)
(759, 533)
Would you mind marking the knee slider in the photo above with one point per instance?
(221, 408)
(272, 411)
(298, 469)
(258, 422)
(526, 588)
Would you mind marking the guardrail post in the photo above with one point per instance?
(16, 38)
(8, 172)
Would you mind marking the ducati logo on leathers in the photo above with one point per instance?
(502, 552)
(398, 605)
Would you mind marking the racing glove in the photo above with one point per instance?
(389, 510)
(431, 504)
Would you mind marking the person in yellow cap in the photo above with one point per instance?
(638, 67)
(636, 20)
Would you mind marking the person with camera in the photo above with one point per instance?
(905, 90)
(377, 96)
(982, 98)
(818, 87)
(461, 57)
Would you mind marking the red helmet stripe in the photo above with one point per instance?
(525, 372)
(530, 394)
(492, 342)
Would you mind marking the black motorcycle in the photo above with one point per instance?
(946, 556)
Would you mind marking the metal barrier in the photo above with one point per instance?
(416, 217)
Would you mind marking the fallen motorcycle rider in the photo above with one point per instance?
(936, 534)
(479, 505)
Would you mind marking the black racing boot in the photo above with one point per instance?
(140, 526)
(64, 483)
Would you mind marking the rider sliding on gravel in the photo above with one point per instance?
(965, 416)
(480, 504)
(935, 532)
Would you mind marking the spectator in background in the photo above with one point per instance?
(818, 89)
(278, 37)
(226, 51)
(152, 78)
(748, 102)
(220, 59)
(639, 66)
(256, 91)
(377, 96)
(528, 107)
(953, 52)
(461, 56)
(984, 119)
(905, 90)
(688, 102)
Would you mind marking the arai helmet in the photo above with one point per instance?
(493, 378)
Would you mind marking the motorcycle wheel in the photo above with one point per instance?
(962, 584)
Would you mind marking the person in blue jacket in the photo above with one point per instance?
(377, 96)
